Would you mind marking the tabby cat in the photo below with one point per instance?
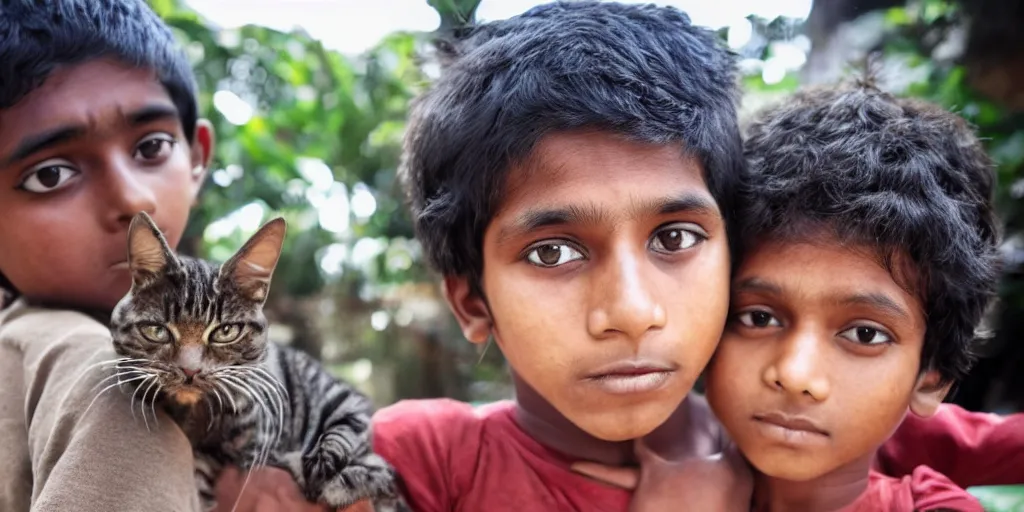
(192, 338)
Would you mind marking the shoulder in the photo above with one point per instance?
(923, 489)
(434, 446)
(434, 420)
(21, 324)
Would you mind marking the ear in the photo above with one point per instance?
(470, 309)
(929, 392)
(201, 154)
(251, 268)
(148, 252)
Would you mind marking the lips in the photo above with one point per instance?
(631, 377)
(792, 423)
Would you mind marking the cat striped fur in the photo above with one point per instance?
(192, 338)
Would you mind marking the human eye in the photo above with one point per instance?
(866, 335)
(552, 253)
(48, 176)
(155, 147)
(677, 237)
(757, 319)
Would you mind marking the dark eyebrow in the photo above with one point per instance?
(47, 139)
(875, 300)
(533, 220)
(37, 142)
(756, 284)
(151, 113)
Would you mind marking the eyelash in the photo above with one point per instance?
(774, 319)
(689, 229)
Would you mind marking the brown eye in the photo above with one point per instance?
(155, 333)
(675, 238)
(154, 148)
(553, 255)
(226, 333)
(758, 319)
(48, 177)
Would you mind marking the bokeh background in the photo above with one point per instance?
(309, 100)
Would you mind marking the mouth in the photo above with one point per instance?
(631, 377)
(790, 429)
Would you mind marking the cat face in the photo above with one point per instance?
(188, 327)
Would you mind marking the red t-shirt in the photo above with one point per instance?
(923, 490)
(456, 458)
(971, 448)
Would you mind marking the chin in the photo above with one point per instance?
(624, 423)
(793, 469)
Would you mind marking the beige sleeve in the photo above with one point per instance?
(102, 459)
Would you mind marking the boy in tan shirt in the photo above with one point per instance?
(98, 121)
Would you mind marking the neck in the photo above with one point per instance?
(829, 492)
(541, 421)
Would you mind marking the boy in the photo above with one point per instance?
(571, 177)
(868, 255)
(98, 121)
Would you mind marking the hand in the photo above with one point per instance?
(269, 490)
(719, 482)
(698, 468)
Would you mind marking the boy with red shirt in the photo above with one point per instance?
(572, 176)
(868, 250)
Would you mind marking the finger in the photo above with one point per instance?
(644, 453)
(626, 478)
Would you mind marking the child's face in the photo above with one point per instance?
(605, 273)
(94, 145)
(820, 360)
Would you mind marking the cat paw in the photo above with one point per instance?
(367, 478)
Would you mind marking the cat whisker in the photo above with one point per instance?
(114, 385)
(231, 399)
(136, 392)
(119, 373)
(152, 403)
(144, 394)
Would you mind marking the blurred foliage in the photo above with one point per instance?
(315, 136)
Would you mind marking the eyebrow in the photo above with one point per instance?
(875, 300)
(755, 284)
(533, 220)
(37, 142)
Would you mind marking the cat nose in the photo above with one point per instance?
(190, 372)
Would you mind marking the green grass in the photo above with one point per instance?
(1003, 498)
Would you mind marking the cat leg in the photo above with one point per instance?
(207, 470)
(368, 477)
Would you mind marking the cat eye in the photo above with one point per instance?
(155, 333)
(226, 333)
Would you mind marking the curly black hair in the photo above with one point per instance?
(639, 71)
(900, 175)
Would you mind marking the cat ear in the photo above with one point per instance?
(148, 252)
(251, 268)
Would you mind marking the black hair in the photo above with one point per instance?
(902, 176)
(39, 36)
(639, 71)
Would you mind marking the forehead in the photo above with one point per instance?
(600, 169)
(92, 93)
(825, 269)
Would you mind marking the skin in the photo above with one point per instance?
(68, 203)
(583, 266)
(823, 332)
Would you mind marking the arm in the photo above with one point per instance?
(97, 460)
(970, 448)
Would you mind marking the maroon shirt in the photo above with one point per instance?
(456, 458)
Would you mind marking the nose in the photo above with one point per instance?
(797, 368)
(625, 296)
(127, 193)
(189, 372)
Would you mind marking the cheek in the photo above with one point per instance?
(731, 375)
(174, 187)
(878, 394)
